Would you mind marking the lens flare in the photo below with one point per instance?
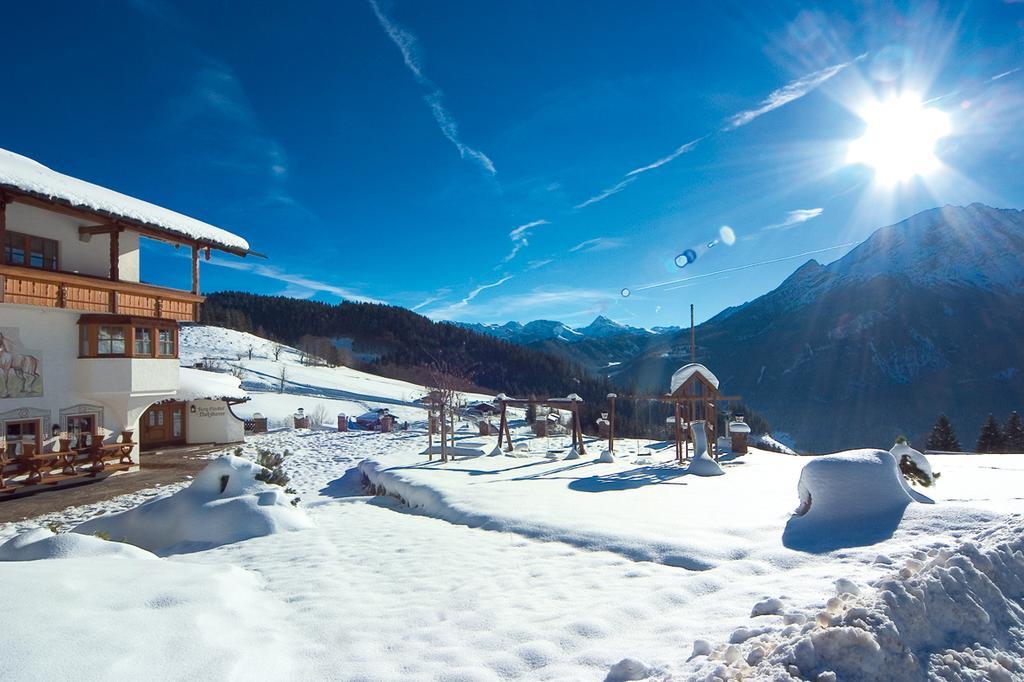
(685, 258)
(899, 139)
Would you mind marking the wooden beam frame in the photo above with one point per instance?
(104, 228)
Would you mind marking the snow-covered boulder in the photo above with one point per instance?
(901, 450)
(224, 504)
(854, 497)
(42, 543)
(607, 457)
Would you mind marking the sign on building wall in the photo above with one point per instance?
(21, 374)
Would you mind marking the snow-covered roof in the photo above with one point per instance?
(683, 374)
(196, 384)
(21, 173)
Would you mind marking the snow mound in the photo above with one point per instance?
(42, 543)
(953, 613)
(901, 450)
(224, 504)
(849, 498)
(606, 457)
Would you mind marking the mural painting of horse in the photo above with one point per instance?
(21, 366)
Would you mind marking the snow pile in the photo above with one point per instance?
(30, 176)
(607, 457)
(42, 543)
(196, 384)
(224, 504)
(850, 498)
(946, 614)
(901, 450)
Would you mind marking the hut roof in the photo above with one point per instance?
(686, 372)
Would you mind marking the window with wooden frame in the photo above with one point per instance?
(31, 251)
(20, 431)
(119, 336)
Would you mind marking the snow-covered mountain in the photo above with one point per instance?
(924, 317)
(544, 330)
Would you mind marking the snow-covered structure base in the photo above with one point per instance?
(224, 504)
(850, 498)
(702, 464)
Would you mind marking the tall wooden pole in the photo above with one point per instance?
(693, 338)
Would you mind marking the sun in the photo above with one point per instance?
(899, 139)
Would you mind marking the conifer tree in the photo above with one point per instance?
(991, 438)
(942, 437)
(1013, 433)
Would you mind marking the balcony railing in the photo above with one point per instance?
(30, 286)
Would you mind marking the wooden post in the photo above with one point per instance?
(195, 269)
(3, 224)
(679, 435)
(115, 255)
(579, 429)
(611, 422)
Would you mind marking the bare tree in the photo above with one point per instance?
(445, 383)
(277, 351)
(280, 386)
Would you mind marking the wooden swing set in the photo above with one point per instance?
(571, 403)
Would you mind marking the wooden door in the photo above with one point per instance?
(163, 424)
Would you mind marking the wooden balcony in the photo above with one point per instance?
(31, 286)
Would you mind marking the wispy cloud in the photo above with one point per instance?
(520, 237)
(539, 263)
(790, 92)
(438, 295)
(777, 98)
(793, 218)
(559, 302)
(680, 150)
(448, 311)
(1004, 74)
(605, 193)
(598, 244)
(408, 46)
(303, 282)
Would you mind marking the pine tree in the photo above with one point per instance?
(1013, 433)
(991, 438)
(942, 437)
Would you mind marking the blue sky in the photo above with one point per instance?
(487, 161)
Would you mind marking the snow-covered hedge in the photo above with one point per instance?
(224, 504)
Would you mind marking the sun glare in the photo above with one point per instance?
(899, 139)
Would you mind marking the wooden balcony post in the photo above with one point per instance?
(3, 227)
(195, 269)
(115, 255)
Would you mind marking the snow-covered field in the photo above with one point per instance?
(529, 567)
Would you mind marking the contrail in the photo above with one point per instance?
(744, 267)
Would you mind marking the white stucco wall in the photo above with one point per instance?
(122, 387)
(211, 421)
(90, 257)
